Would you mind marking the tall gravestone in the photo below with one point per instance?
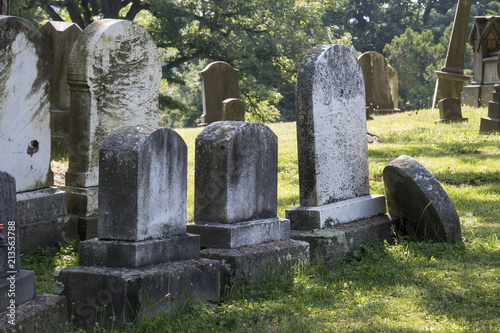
(25, 76)
(142, 249)
(331, 139)
(236, 168)
(114, 75)
(219, 82)
(485, 41)
(377, 83)
(60, 37)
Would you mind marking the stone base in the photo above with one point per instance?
(43, 219)
(478, 95)
(230, 236)
(87, 227)
(46, 313)
(82, 202)
(115, 295)
(448, 85)
(336, 242)
(252, 263)
(345, 211)
(24, 290)
(489, 125)
(96, 252)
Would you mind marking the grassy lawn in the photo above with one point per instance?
(400, 287)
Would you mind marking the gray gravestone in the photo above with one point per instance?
(377, 83)
(491, 123)
(414, 195)
(236, 186)
(25, 75)
(60, 37)
(233, 109)
(331, 139)
(114, 76)
(450, 110)
(219, 81)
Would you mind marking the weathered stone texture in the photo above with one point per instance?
(331, 127)
(25, 75)
(414, 195)
(8, 213)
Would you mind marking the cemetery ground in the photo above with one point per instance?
(400, 287)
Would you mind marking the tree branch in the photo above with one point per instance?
(136, 7)
(52, 13)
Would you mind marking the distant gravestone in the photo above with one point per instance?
(376, 73)
(450, 110)
(414, 195)
(219, 81)
(25, 75)
(60, 37)
(236, 186)
(114, 76)
(491, 123)
(233, 109)
(331, 139)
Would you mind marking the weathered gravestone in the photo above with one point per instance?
(25, 75)
(60, 37)
(235, 209)
(219, 81)
(233, 109)
(142, 261)
(377, 84)
(332, 148)
(450, 110)
(416, 197)
(491, 123)
(114, 76)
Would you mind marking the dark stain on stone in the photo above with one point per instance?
(33, 147)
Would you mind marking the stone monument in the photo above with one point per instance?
(332, 150)
(142, 260)
(491, 123)
(378, 86)
(114, 75)
(484, 39)
(235, 208)
(60, 37)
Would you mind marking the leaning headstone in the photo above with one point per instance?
(143, 261)
(236, 168)
(233, 109)
(60, 37)
(414, 195)
(377, 84)
(25, 75)
(450, 110)
(114, 75)
(491, 123)
(332, 144)
(219, 81)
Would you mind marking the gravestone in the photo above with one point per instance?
(485, 41)
(114, 75)
(450, 110)
(491, 123)
(142, 249)
(25, 75)
(377, 84)
(60, 37)
(425, 210)
(233, 109)
(219, 81)
(332, 144)
(236, 165)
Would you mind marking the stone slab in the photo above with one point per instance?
(43, 219)
(416, 196)
(329, 215)
(46, 313)
(24, 290)
(335, 243)
(230, 236)
(97, 293)
(489, 124)
(127, 254)
(82, 201)
(252, 263)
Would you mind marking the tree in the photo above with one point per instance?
(4, 7)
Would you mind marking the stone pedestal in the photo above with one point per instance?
(449, 85)
(450, 110)
(491, 123)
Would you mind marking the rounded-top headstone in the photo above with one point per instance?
(114, 76)
(376, 76)
(416, 196)
(25, 75)
(331, 127)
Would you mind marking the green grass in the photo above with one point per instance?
(401, 287)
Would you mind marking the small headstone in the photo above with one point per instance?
(332, 142)
(377, 83)
(219, 81)
(450, 110)
(236, 186)
(25, 75)
(491, 123)
(417, 198)
(233, 109)
(60, 37)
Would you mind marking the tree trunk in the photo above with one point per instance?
(5, 7)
